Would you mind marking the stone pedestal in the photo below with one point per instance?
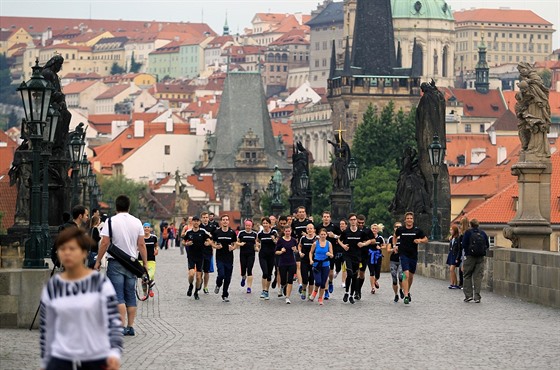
(530, 228)
(341, 202)
(298, 201)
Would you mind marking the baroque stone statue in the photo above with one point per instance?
(411, 194)
(20, 175)
(300, 163)
(58, 101)
(533, 112)
(339, 167)
(277, 179)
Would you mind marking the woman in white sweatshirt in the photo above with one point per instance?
(79, 324)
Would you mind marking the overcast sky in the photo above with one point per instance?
(213, 12)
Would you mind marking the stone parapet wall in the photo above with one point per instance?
(529, 275)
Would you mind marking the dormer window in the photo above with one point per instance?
(495, 108)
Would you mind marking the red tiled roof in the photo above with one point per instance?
(78, 86)
(6, 151)
(295, 36)
(553, 100)
(283, 129)
(507, 122)
(86, 36)
(220, 41)
(102, 123)
(68, 46)
(499, 16)
(462, 144)
(550, 64)
(476, 104)
(290, 23)
(200, 108)
(203, 183)
(112, 92)
(7, 200)
(18, 45)
(5, 35)
(485, 186)
(175, 88)
(287, 108)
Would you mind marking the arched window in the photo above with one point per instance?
(444, 56)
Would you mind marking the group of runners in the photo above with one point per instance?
(293, 248)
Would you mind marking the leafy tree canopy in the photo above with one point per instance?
(114, 186)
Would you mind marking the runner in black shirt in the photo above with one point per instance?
(352, 241)
(375, 257)
(364, 256)
(208, 250)
(333, 233)
(224, 243)
(247, 239)
(266, 244)
(299, 226)
(396, 271)
(304, 248)
(196, 240)
(151, 251)
(410, 237)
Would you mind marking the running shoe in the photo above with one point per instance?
(206, 291)
(266, 296)
(409, 298)
(124, 331)
(248, 290)
(130, 331)
(326, 296)
(401, 293)
(312, 296)
(343, 286)
(225, 299)
(468, 299)
(273, 285)
(288, 301)
(376, 285)
(451, 286)
(331, 287)
(151, 293)
(189, 291)
(320, 301)
(351, 299)
(196, 297)
(217, 289)
(300, 288)
(396, 298)
(345, 298)
(406, 300)
(358, 296)
(477, 300)
(303, 295)
(262, 295)
(372, 290)
(243, 281)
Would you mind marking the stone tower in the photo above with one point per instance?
(245, 149)
(482, 83)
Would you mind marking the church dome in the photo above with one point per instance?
(421, 9)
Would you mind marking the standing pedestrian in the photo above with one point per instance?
(464, 225)
(454, 256)
(224, 243)
(95, 235)
(286, 247)
(247, 239)
(320, 254)
(475, 244)
(393, 244)
(127, 235)
(410, 237)
(79, 320)
(266, 244)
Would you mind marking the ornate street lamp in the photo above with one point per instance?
(436, 153)
(303, 181)
(36, 97)
(76, 147)
(352, 172)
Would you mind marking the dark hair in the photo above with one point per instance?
(352, 215)
(66, 216)
(70, 233)
(93, 210)
(361, 217)
(122, 203)
(77, 211)
(409, 213)
(325, 213)
(283, 218)
(267, 219)
(343, 220)
(474, 223)
(323, 229)
(224, 216)
(301, 207)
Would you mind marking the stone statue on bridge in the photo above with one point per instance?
(339, 168)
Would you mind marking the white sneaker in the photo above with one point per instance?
(288, 300)
(343, 285)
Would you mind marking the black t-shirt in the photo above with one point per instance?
(210, 228)
(196, 250)
(299, 227)
(395, 257)
(96, 238)
(306, 245)
(268, 245)
(336, 230)
(249, 238)
(407, 247)
(380, 243)
(352, 238)
(151, 242)
(368, 236)
(225, 238)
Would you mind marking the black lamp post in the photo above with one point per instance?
(48, 139)
(76, 148)
(90, 184)
(303, 182)
(436, 153)
(84, 173)
(36, 97)
(352, 171)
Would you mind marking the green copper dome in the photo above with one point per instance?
(421, 9)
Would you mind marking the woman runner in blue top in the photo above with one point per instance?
(319, 256)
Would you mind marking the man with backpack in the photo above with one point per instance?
(475, 244)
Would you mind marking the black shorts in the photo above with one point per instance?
(195, 263)
(364, 260)
(352, 263)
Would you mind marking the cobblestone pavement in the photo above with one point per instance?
(437, 330)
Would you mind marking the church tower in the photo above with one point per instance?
(482, 71)
(226, 28)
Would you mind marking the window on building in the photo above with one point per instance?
(492, 240)
(539, 36)
(510, 35)
(167, 150)
(475, 34)
(524, 35)
(271, 68)
(316, 63)
(516, 35)
(545, 48)
(285, 68)
(503, 58)
(316, 46)
(510, 58)
(324, 62)
(517, 58)
(324, 45)
(524, 47)
(517, 47)
(467, 127)
(481, 129)
(546, 37)
(503, 35)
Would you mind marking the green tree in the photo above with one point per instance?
(114, 186)
(116, 69)
(134, 66)
(546, 76)
(373, 193)
(321, 186)
(382, 136)
(266, 202)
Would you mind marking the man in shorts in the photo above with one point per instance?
(128, 235)
(410, 237)
(208, 252)
(196, 240)
(395, 261)
(151, 242)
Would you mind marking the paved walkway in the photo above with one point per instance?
(437, 330)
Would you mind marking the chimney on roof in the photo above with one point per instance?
(501, 154)
(492, 134)
(169, 124)
(139, 128)
(117, 127)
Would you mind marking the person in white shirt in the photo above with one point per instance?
(127, 235)
(79, 320)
